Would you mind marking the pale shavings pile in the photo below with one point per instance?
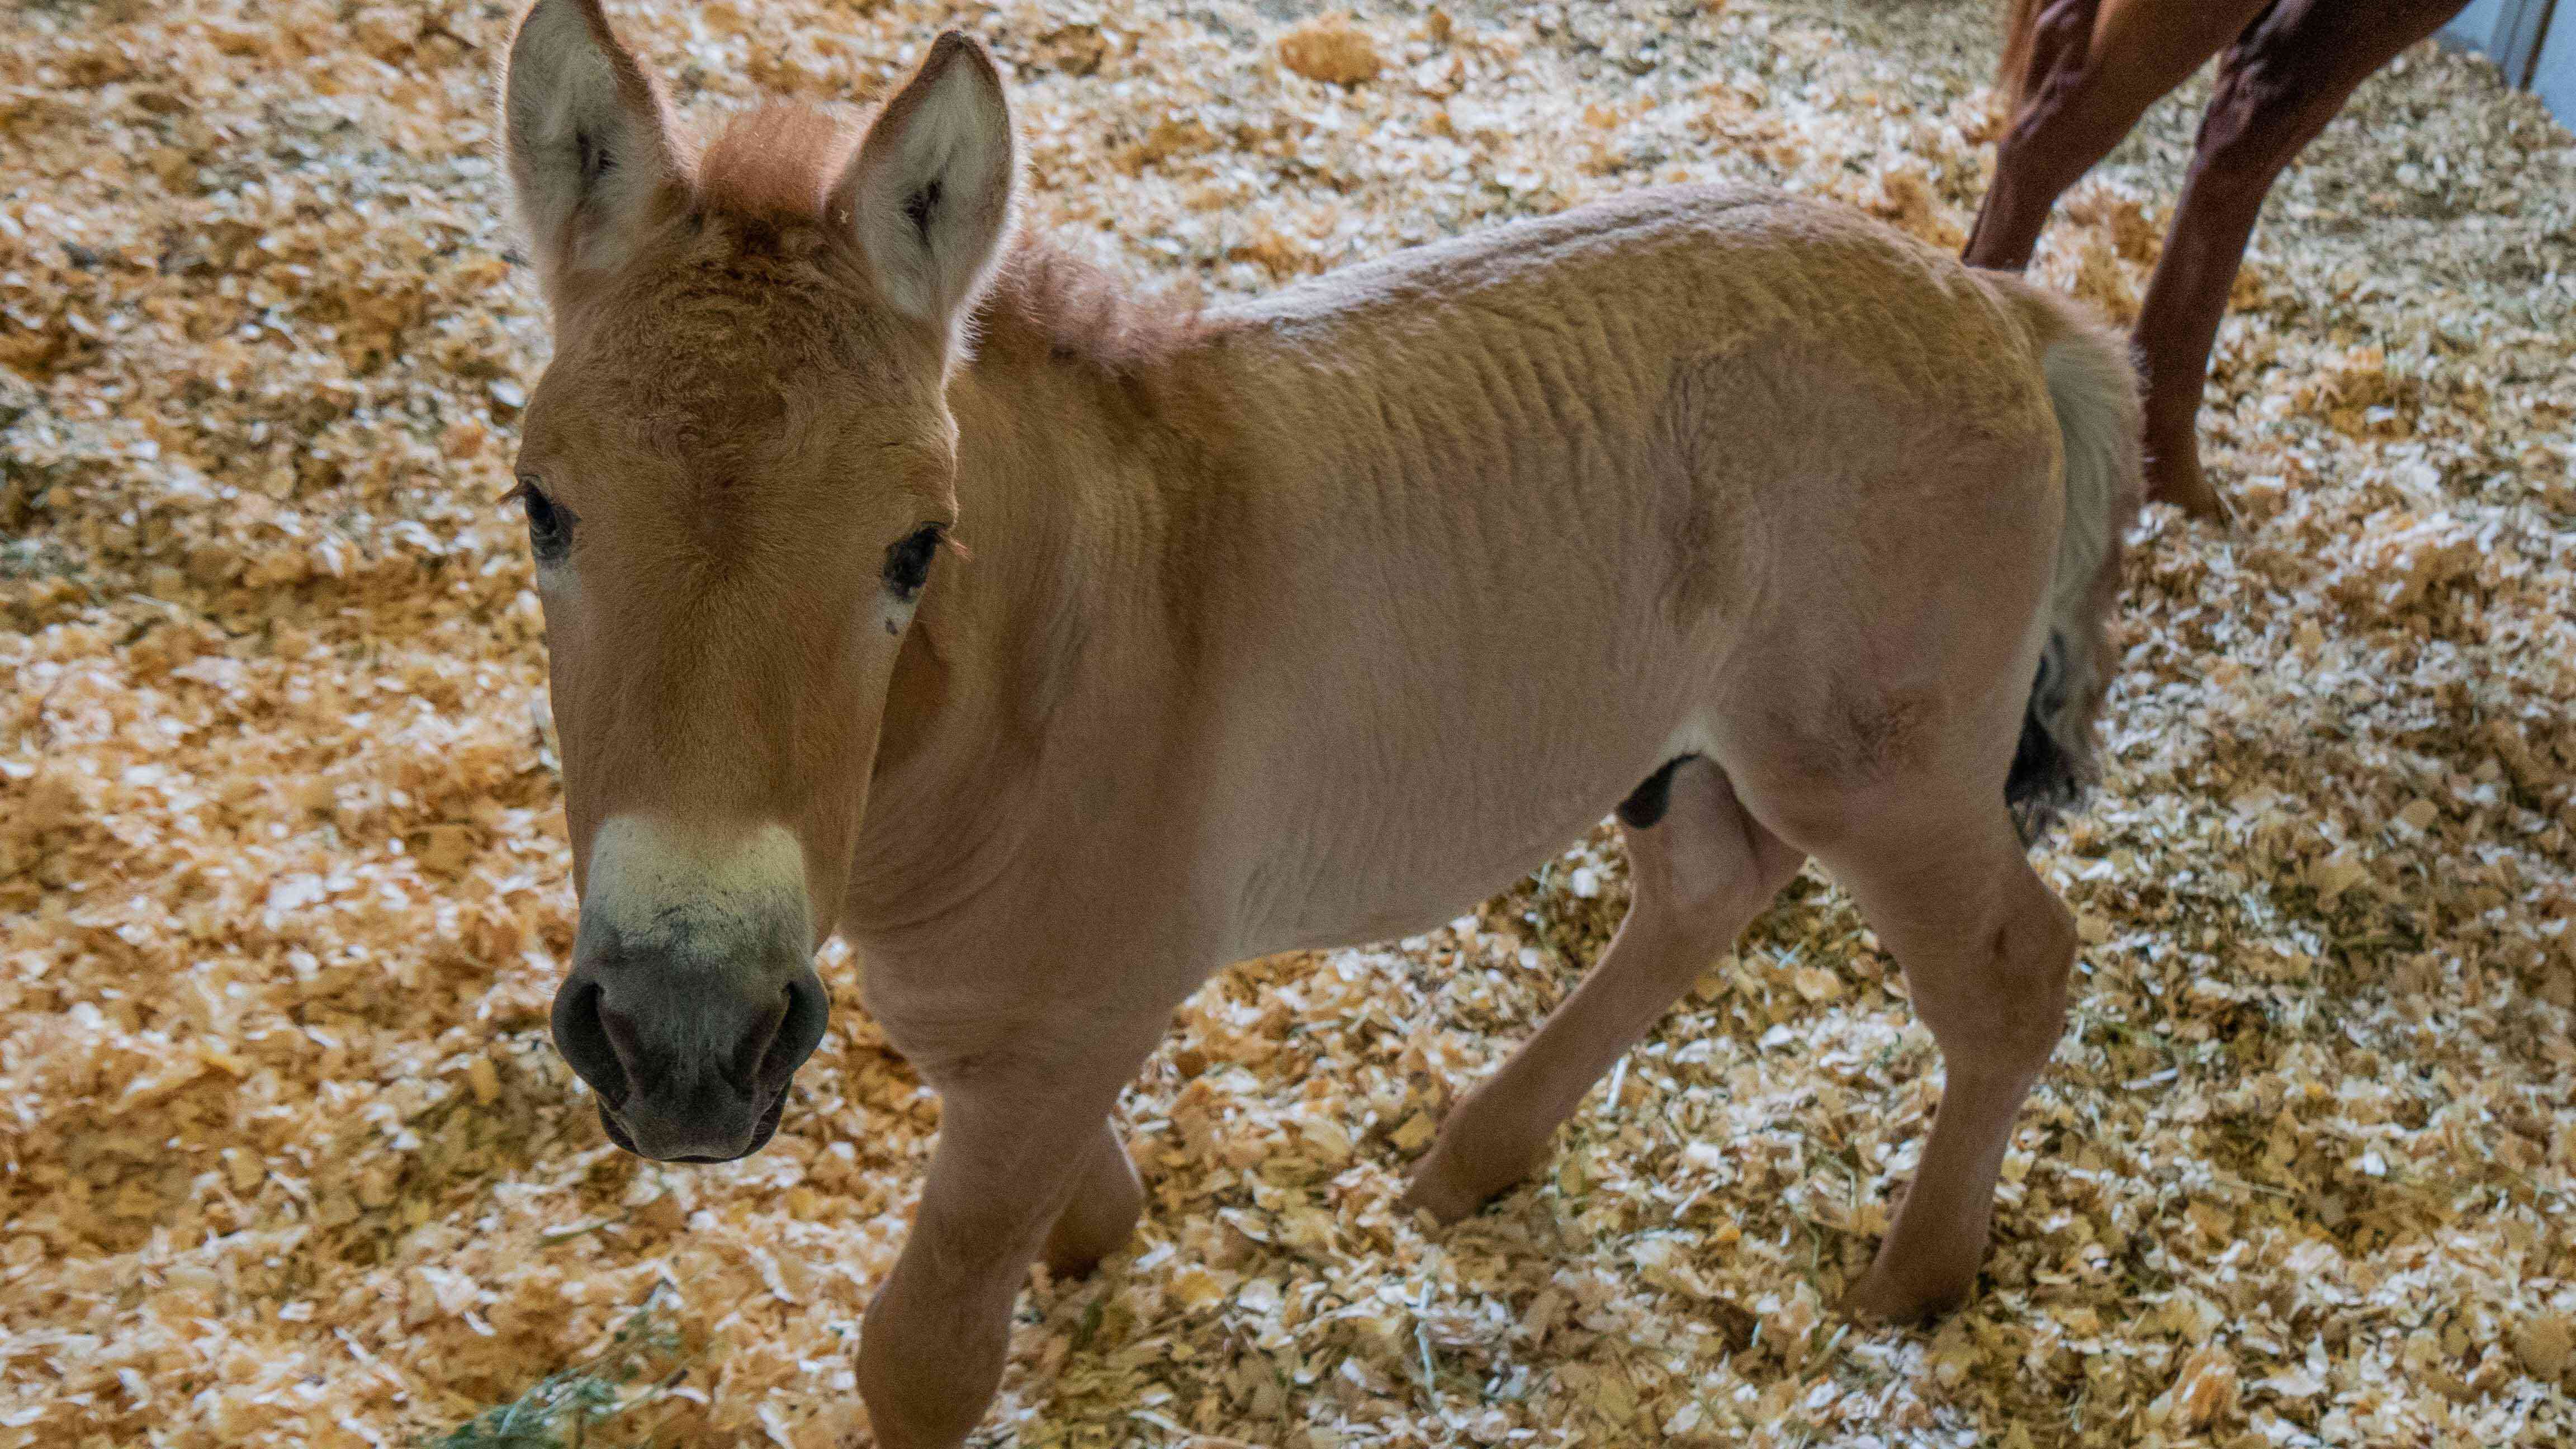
(286, 1157)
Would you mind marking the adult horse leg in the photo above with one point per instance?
(1699, 873)
(2087, 79)
(1936, 868)
(2278, 86)
(1023, 1133)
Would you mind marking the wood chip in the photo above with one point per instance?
(289, 1159)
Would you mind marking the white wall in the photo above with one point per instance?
(2474, 28)
(2512, 32)
(2554, 77)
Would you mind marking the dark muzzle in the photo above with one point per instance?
(691, 1064)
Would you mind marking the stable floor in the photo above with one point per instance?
(286, 1157)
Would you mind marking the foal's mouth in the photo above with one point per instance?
(760, 1135)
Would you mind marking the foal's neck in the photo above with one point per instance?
(1084, 454)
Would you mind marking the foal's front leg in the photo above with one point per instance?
(1023, 1161)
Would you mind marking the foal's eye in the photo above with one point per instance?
(907, 565)
(549, 524)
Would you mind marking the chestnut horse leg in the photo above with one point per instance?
(2278, 86)
(2093, 71)
(1700, 874)
(1023, 1137)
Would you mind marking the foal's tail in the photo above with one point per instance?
(2094, 387)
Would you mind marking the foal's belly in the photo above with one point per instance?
(1364, 833)
(1359, 904)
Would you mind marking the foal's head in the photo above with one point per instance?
(737, 472)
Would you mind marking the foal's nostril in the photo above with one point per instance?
(581, 1034)
(625, 1045)
(752, 1052)
(799, 1030)
(689, 1069)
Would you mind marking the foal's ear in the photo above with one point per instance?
(929, 192)
(589, 146)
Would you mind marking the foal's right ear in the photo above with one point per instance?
(589, 145)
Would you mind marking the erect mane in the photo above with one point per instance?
(777, 163)
(1044, 295)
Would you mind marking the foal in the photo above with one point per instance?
(1302, 623)
(2081, 73)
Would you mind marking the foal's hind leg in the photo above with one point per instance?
(1986, 948)
(1700, 874)
(1101, 1215)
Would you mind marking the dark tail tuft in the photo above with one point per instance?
(2047, 777)
(2094, 388)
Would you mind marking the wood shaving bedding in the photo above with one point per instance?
(287, 1159)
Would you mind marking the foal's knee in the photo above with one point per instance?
(2031, 960)
(1996, 999)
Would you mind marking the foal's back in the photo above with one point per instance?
(1528, 512)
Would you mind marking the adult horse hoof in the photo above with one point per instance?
(2204, 504)
(2180, 482)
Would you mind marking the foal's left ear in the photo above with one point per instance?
(929, 192)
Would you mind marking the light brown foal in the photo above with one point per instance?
(1305, 622)
(2081, 72)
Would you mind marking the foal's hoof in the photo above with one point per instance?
(1454, 1178)
(1880, 1297)
(1440, 1194)
(1484, 1150)
(1071, 1262)
(1088, 1232)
